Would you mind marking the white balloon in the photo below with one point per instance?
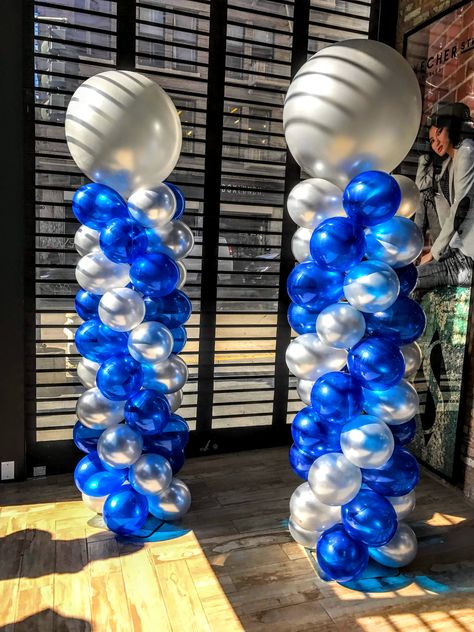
(395, 405)
(87, 371)
(167, 376)
(304, 388)
(308, 358)
(310, 513)
(312, 201)
(121, 309)
(95, 411)
(183, 275)
(120, 446)
(340, 325)
(152, 208)
(175, 400)
(403, 505)
(413, 357)
(86, 240)
(367, 442)
(400, 551)
(175, 239)
(94, 503)
(302, 536)
(300, 244)
(334, 480)
(410, 196)
(97, 274)
(150, 342)
(173, 503)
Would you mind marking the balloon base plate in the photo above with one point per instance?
(155, 530)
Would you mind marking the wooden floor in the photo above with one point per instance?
(236, 569)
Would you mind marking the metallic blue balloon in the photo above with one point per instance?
(377, 363)
(87, 304)
(93, 479)
(397, 242)
(97, 342)
(148, 412)
(314, 288)
(155, 275)
(337, 244)
(125, 511)
(370, 518)
(339, 556)
(408, 276)
(180, 200)
(337, 397)
(404, 433)
(85, 438)
(372, 197)
(172, 310)
(96, 204)
(302, 320)
(123, 240)
(176, 431)
(120, 377)
(300, 462)
(397, 477)
(180, 338)
(403, 322)
(314, 436)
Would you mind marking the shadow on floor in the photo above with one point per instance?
(48, 620)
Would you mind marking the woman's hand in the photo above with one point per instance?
(426, 258)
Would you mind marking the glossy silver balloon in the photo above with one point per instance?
(152, 208)
(334, 480)
(173, 503)
(340, 325)
(95, 411)
(151, 474)
(410, 196)
(354, 106)
(121, 309)
(87, 371)
(310, 513)
(120, 446)
(312, 201)
(397, 242)
(395, 406)
(175, 400)
(123, 130)
(403, 505)
(176, 238)
(183, 275)
(308, 358)
(94, 503)
(304, 388)
(150, 342)
(367, 442)
(400, 551)
(300, 244)
(167, 376)
(86, 240)
(97, 274)
(371, 288)
(413, 357)
(305, 537)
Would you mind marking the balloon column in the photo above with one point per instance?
(351, 114)
(123, 131)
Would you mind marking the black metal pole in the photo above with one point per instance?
(126, 34)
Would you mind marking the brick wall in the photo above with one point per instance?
(413, 12)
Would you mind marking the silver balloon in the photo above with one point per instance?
(371, 286)
(334, 480)
(305, 537)
(86, 240)
(400, 551)
(173, 503)
(340, 325)
(94, 503)
(338, 106)
(152, 208)
(120, 446)
(151, 474)
(167, 376)
(397, 242)
(176, 239)
(183, 275)
(304, 388)
(300, 244)
(410, 196)
(367, 442)
(310, 513)
(121, 309)
(413, 357)
(123, 130)
(87, 371)
(312, 201)
(95, 411)
(403, 505)
(97, 274)
(175, 400)
(150, 342)
(308, 358)
(395, 406)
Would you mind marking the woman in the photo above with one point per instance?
(451, 258)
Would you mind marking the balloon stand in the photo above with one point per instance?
(132, 243)
(355, 351)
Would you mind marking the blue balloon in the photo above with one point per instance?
(377, 363)
(87, 304)
(397, 242)
(302, 320)
(337, 397)
(119, 377)
(180, 338)
(372, 197)
(93, 479)
(123, 240)
(408, 276)
(125, 511)
(403, 322)
(370, 518)
(313, 287)
(97, 342)
(176, 431)
(148, 412)
(300, 462)
(397, 477)
(86, 438)
(341, 557)
(87, 466)
(155, 275)
(96, 204)
(337, 244)
(404, 433)
(309, 430)
(172, 310)
(180, 200)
